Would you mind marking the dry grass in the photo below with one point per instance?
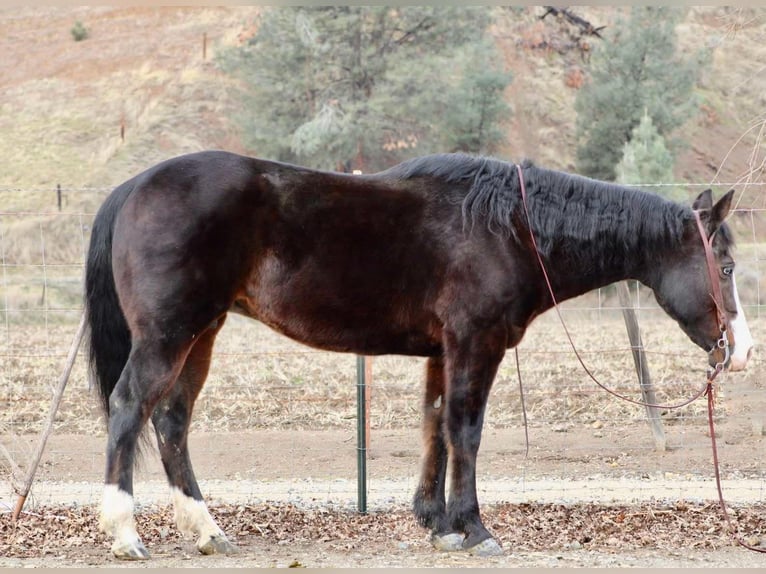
(63, 101)
(262, 380)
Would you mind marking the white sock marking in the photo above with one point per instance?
(117, 517)
(193, 517)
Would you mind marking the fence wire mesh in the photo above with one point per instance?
(275, 411)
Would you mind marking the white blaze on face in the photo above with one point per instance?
(743, 340)
(192, 517)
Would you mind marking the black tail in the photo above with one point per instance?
(108, 330)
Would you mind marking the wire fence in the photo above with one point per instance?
(275, 410)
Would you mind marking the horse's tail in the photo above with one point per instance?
(109, 336)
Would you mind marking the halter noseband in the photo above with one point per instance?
(722, 319)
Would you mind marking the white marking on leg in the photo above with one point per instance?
(193, 517)
(743, 340)
(117, 517)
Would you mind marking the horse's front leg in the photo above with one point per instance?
(429, 504)
(471, 362)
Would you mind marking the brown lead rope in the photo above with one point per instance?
(722, 504)
(523, 406)
(707, 389)
(697, 395)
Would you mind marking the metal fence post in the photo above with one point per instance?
(361, 433)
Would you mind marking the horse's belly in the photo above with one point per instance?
(336, 318)
(371, 339)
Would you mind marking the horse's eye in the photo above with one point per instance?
(728, 270)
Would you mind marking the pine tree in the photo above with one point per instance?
(341, 87)
(476, 109)
(637, 68)
(646, 160)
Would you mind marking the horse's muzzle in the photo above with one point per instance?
(728, 357)
(739, 362)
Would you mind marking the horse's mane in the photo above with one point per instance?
(562, 207)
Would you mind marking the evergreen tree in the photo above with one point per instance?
(637, 68)
(341, 87)
(476, 109)
(646, 159)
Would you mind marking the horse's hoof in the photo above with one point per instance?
(130, 551)
(218, 545)
(447, 542)
(487, 547)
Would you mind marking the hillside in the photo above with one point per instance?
(62, 103)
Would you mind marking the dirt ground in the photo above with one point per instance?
(274, 447)
(289, 498)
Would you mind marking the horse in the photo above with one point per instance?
(438, 257)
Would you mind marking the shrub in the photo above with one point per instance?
(79, 31)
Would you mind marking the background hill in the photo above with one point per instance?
(63, 103)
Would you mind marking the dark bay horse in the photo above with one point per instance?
(432, 258)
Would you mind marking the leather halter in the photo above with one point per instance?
(726, 340)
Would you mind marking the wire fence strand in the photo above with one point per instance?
(260, 380)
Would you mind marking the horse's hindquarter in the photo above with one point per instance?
(348, 263)
(182, 243)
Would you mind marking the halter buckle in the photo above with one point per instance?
(722, 343)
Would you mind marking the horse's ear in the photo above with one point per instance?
(704, 201)
(721, 209)
(713, 215)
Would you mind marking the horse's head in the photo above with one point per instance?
(686, 287)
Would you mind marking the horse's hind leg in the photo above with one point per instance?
(149, 372)
(171, 420)
(429, 503)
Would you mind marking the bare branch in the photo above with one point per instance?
(585, 27)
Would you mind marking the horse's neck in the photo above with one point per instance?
(570, 276)
(609, 253)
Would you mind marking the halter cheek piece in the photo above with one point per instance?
(724, 343)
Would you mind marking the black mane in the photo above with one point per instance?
(564, 208)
